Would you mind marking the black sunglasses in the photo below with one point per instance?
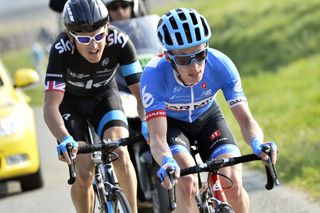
(116, 5)
(186, 59)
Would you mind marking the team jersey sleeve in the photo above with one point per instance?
(231, 82)
(152, 93)
(56, 69)
(130, 66)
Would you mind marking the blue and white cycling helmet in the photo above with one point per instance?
(183, 28)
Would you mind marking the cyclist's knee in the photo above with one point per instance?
(85, 170)
(84, 179)
(116, 132)
(235, 189)
(188, 186)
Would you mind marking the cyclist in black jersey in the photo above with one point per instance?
(80, 85)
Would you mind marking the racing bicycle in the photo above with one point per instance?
(211, 197)
(109, 195)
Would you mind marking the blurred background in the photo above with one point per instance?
(274, 44)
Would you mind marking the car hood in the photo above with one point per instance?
(10, 98)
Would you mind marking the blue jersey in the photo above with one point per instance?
(163, 94)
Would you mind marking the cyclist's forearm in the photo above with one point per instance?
(159, 149)
(55, 123)
(251, 130)
(135, 90)
(140, 110)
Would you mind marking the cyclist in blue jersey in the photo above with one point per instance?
(80, 86)
(178, 92)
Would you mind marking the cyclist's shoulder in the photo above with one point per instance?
(216, 56)
(156, 67)
(118, 39)
(219, 61)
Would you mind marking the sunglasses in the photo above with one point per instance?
(186, 59)
(115, 6)
(87, 39)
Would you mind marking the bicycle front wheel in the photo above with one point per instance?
(118, 203)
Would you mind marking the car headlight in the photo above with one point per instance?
(10, 125)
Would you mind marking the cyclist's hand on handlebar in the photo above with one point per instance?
(62, 149)
(162, 173)
(145, 131)
(262, 149)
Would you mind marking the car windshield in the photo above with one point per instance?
(143, 33)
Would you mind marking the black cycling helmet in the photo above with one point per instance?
(84, 15)
(108, 2)
(138, 7)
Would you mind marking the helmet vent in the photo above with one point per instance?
(182, 16)
(179, 38)
(186, 30)
(193, 18)
(173, 23)
(197, 31)
(167, 37)
(205, 28)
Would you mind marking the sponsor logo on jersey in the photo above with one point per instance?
(215, 135)
(105, 62)
(66, 116)
(204, 85)
(206, 93)
(178, 140)
(117, 38)
(237, 101)
(177, 89)
(89, 84)
(64, 46)
(79, 76)
(155, 114)
(147, 98)
(238, 86)
(55, 86)
(54, 75)
(189, 106)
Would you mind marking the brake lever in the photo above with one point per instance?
(272, 177)
(172, 191)
(72, 168)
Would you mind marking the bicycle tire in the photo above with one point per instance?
(118, 203)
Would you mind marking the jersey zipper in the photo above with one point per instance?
(192, 101)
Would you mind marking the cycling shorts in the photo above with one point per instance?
(210, 133)
(103, 111)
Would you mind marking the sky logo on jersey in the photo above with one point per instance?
(117, 38)
(55, 86)
(64, 46)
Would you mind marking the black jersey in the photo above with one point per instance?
(68, 71)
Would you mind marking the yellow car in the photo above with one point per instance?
(19, 154)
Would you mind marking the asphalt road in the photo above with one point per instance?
(54, 196)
